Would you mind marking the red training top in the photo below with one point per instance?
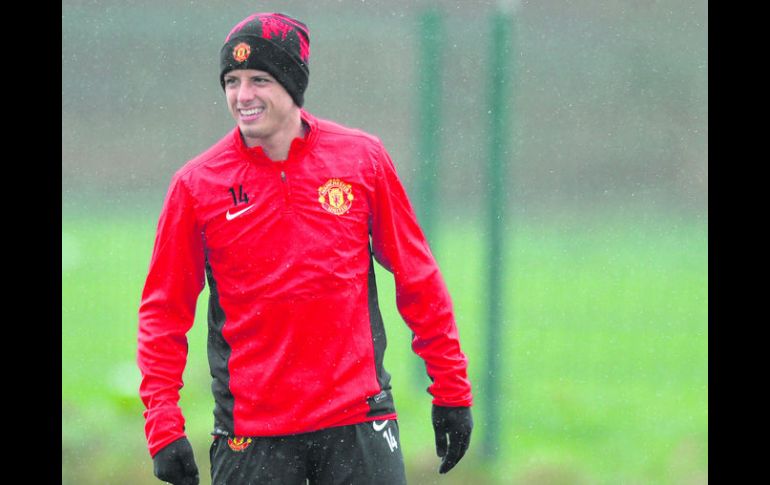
(296, 339)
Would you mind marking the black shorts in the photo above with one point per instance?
(366, 453)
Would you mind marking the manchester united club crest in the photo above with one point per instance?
(241, 52)
(238, 444)
(335, 196)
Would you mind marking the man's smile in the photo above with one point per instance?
(249, 114)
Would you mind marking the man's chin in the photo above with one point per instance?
(249, 131)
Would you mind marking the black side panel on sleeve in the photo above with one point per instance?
(381, 403)
(219, 355)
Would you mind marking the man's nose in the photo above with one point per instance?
(245, 94)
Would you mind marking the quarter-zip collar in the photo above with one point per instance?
(298, 148)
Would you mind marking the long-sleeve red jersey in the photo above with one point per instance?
(296, 339)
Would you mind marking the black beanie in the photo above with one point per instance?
(271, 42)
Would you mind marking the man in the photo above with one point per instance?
(284, 217)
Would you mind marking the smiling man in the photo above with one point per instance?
(284, 218)
(267, 115)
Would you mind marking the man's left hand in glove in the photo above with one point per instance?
(453, 427)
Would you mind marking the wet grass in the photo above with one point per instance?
(604, 350)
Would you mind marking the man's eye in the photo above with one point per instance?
(229, 81)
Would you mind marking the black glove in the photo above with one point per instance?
(454, 423)
(175, 463)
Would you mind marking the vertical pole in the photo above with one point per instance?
(429, 141)
(429, 116)
(499, 134)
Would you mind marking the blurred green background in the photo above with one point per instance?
(604, 346)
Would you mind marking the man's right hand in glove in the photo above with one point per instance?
(175, 463)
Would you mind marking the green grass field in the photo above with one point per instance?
(605, 353)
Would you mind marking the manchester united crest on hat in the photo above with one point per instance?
(241, 52)
(335, 196)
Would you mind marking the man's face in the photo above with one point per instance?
(259, 104)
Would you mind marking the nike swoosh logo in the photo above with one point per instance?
(232, 216)
(379, 427)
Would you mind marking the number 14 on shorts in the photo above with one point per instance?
(387, 434)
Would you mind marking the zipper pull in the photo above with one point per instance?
(283, 176)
